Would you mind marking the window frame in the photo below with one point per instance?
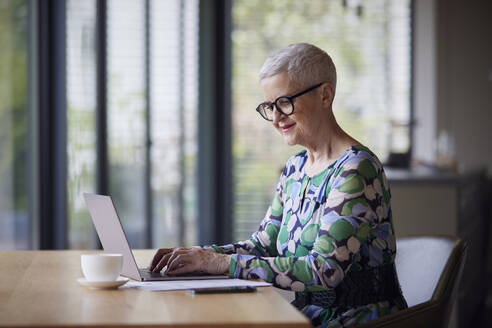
(52, 125)
(215, 192)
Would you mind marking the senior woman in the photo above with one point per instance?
(328, 234)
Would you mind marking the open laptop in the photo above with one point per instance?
(113, 240)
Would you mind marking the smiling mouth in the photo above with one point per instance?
(286, 128)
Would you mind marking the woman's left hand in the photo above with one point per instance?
(186, 260)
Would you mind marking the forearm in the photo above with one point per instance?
(261, 243)
(244, 247)
(306, 273)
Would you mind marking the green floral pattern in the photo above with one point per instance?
(319, 228)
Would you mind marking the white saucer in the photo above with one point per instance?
(103, 284)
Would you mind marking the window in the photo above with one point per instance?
(81, 119)
(15, 136)
(126, 104)
(151, 102)
(174, 94)
(369, 42)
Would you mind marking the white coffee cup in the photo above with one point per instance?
(101, 267)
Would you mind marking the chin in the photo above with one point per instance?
(290, 141)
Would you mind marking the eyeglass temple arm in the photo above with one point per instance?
(306, 91)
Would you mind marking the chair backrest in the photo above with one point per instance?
(429, 270)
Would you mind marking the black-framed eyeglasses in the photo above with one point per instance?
(284, 104)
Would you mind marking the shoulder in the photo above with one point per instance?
(361, 160)
(358, 186)
(361, 174)
(354, 171)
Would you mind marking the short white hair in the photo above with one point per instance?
(304, 63)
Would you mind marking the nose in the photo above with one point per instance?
(277, 116)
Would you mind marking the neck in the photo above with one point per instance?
(330, 143)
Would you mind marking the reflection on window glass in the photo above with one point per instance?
(14, 159)
(81, 108)
(126, 114)
(369, 42)
(174, 85)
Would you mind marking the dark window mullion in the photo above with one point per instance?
(224, 118)
(52, 125)
(102, 171)
(214, 123)
(33, 128)
(411, 94)
(102, 109)
(181, 109)
(148, 133)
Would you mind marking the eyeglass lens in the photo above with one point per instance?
(283, 104)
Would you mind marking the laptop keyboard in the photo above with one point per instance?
(146, 273)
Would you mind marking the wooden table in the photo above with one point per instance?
(39, 288)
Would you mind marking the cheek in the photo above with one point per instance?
(303, 122)
(301, 133)
(305, 131)
(307, 128)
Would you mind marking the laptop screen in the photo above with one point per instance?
(110, 231)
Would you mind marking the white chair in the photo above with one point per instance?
(429, 270)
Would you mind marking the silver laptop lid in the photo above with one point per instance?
(110, 231)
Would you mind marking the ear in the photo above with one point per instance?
(327, 94)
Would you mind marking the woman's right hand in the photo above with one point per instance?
(161, 258)
(181, 260)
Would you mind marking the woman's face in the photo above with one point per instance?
(301, 127)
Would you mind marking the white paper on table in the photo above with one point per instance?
(192, 284)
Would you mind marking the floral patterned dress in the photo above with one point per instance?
(319, 228)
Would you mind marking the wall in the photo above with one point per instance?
(452, 93)
(424, 79)
(464, 78)
(464, 82)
